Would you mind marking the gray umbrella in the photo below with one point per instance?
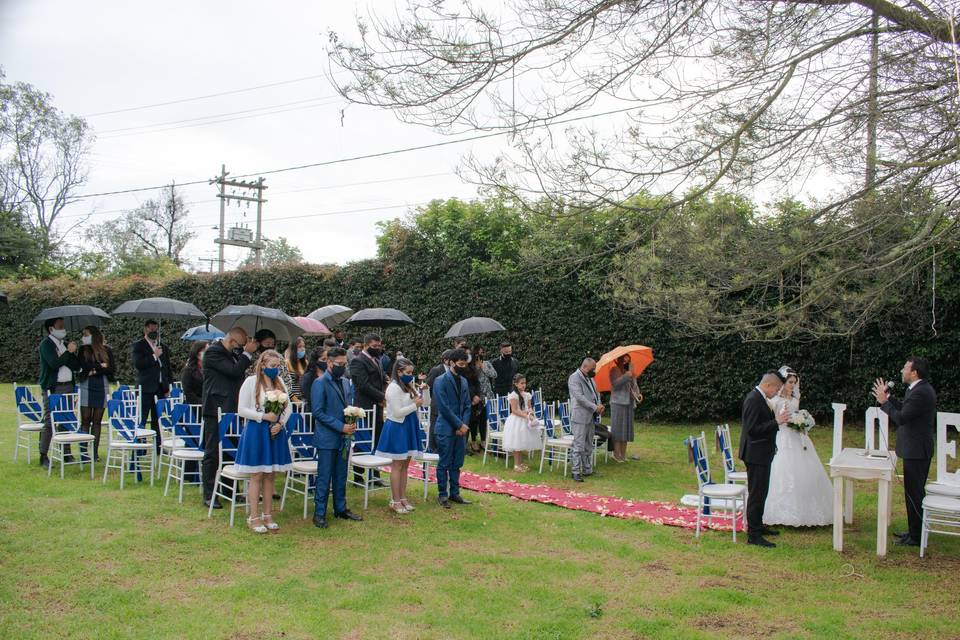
(252, 318)
(75, 316)
(331, 315)
(379, 318)
(474, 325)
(159, 308)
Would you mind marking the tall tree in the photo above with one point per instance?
(275, 252)
(708, 94)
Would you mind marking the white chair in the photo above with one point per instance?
(724, 443)
(425, 457)
(728, 499)
(362, 455)
(126, 450)
(941, 514)
(947, 483)
(229, 484)
(168, 440)
(65, 421)
(176, 393)
(494, 442)
(29, 418)
(302, 475)
(188, 436)
(556, 444)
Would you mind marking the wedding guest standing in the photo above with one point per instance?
(478, 407)
(521, 433)
(452, 397)
(623, 394)
(506, 367)
(370, 385)
(264, 447)
(585, 407)
(58, 364)
(152, 363)
(330, 394)
(316, 366)
(96, 369)
(915, 419)
(401, 431)
(224, 369)
(295, 361)
(191, 377)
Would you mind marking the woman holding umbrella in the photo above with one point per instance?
(624, 393)
(96, 369)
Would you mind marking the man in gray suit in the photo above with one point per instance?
(584, 405)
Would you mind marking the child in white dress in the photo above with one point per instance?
(521, 431)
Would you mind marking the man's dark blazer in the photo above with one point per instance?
(150, 369)
(223, 375)
(369, 383)
(758, 430)
(432, 376)
(915, 419)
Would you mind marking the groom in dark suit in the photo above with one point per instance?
(758, 444)
(915, 419)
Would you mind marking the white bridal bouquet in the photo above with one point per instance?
(801, 421)
(350, 416)
(275, 404)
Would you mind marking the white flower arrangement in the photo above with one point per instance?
(801, 421)
(353, 412)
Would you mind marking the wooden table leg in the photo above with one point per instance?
(848, 500)
(883, 516)
(838, 513)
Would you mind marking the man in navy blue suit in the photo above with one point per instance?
(329, 396)
(452, 398)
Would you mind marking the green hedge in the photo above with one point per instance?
(552, 324)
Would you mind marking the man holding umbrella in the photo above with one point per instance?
(58, 365)
(152, 363)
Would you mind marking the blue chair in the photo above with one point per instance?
(127, 450)
(362, 455)
(300, 478)
(229, 483)
(29, 418)
(65, 420)
(426, 457)
(714, 500)
(494, 443)
(556, 443)
(186, 446)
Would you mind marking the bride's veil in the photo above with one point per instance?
(786, 371)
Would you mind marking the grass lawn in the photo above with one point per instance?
(84, 560)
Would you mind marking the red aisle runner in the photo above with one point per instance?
(652, 512)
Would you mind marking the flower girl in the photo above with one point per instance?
(521, 432)
(264, 446)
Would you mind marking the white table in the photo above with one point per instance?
(853, 464)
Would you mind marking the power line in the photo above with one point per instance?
(331, 213)
(210, 95)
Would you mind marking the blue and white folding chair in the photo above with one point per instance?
(556, 444)
(301, 476)
(29, 418)
(494, 442)
(165, 420)
(362, 455)
(65, 419)
(176, 393)
(127, 451)
(714, 500)
(229, 483)
(426, 457)
(188, 447)
(730, 473)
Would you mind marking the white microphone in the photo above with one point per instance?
(889, 386)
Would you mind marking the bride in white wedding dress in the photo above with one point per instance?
(801, 494)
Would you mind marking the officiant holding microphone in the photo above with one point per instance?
(915, 419)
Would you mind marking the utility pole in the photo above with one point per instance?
(239, 236)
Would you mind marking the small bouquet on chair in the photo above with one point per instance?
(350, 416)
(275, 404)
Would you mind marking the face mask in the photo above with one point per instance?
(271, 372)
(301, 354)
(338, 370)
(460, 370)
(591, 374)
(507, 356)
(237, 351)
(59, 334)
(406, 378)
(375, 353)
(86, 340)
(356, 351)
(322, 366)
(153, 335)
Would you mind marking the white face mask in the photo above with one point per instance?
(86, 340)
(59, 334)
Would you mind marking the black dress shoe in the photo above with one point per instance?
(377, 482)
(444, 502)
(45, 462)
(907, 541)
(216, 504)
(276, 496)
(769, 532)
(901, 534)
(320, 522)
(760, 542)
(348, 515)
(458, 500)
(577, 478)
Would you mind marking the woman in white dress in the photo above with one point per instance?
(801, 494)
(521, 431)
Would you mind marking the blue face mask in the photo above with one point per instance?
(407, 378)
(271, 372)
(301, 354)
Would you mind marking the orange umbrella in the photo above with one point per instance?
(640, 357)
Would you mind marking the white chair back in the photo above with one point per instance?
(946, 448)
(838, 409)
(874, 416)
(29, 406)
(65, 412)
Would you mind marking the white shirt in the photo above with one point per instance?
(153, 347)
(399, 403)
(63, 373)
(247, 405)
(913, 384)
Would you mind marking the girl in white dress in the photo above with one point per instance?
(521, 431)
(800, 494)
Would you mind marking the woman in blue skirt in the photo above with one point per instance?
(264, 447)
(400, 439)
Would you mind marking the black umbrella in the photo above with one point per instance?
(75, 316)
(379, 318)
(474, 325)
(159, 308)
(331, 315)
(252, 318)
